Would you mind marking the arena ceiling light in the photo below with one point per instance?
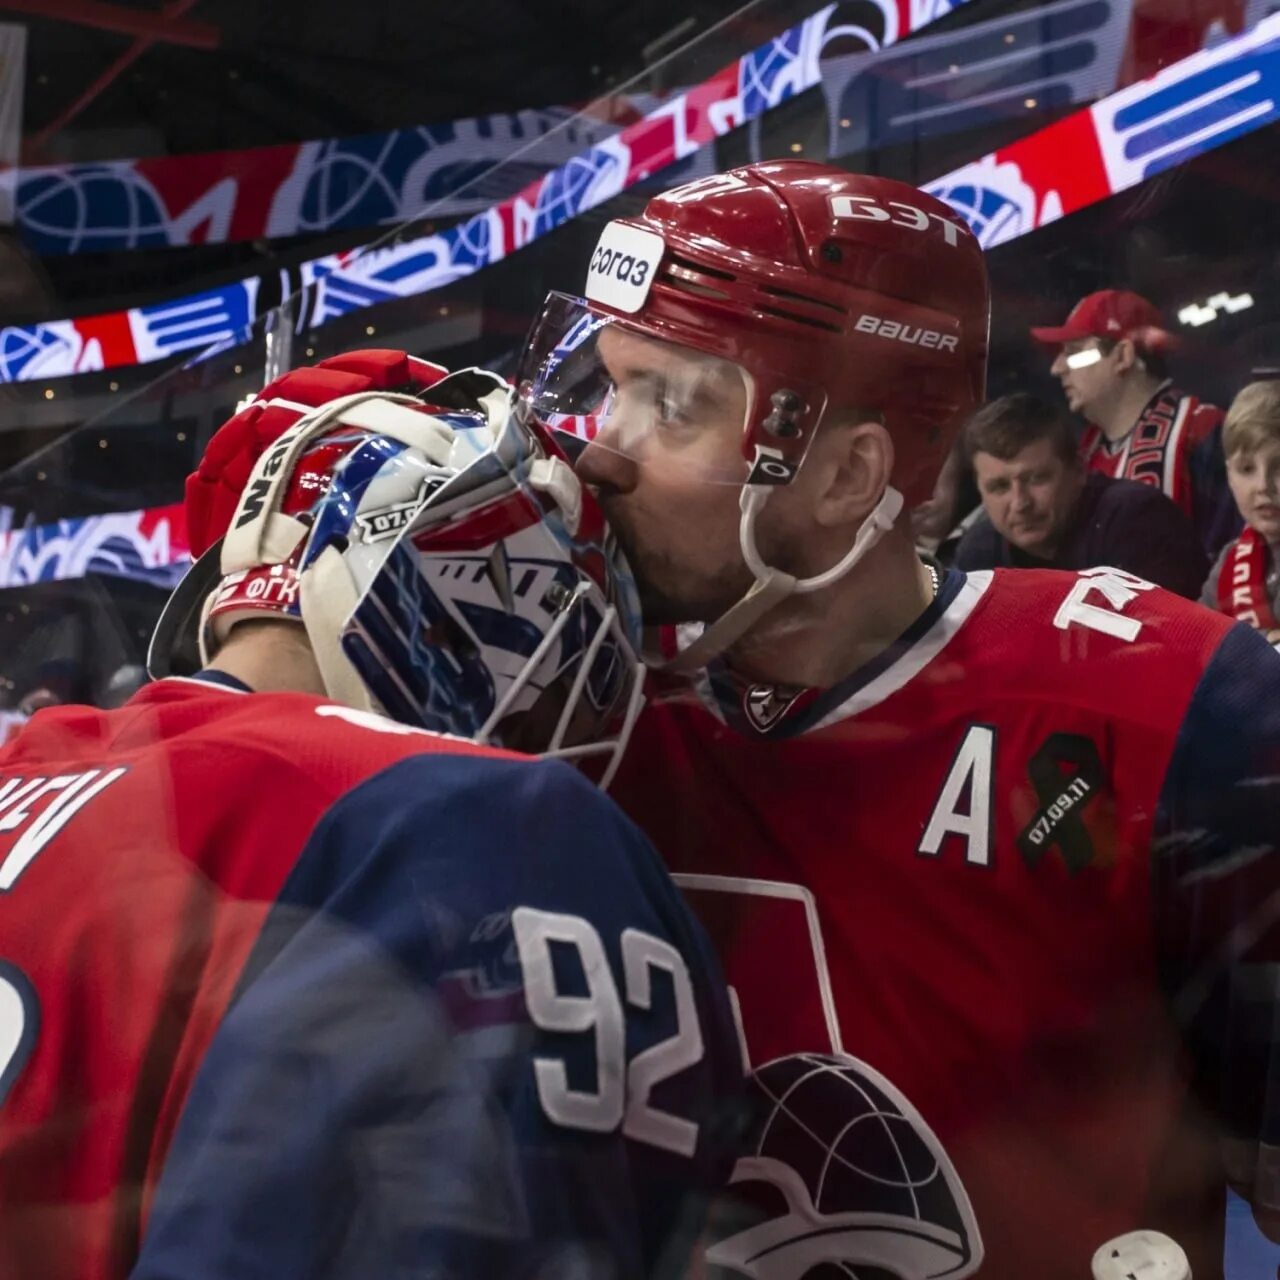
(1198, 313)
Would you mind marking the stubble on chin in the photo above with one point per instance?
(670, 595)
(674, 588)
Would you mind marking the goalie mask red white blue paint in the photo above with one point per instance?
(504, 589)
(443, 559)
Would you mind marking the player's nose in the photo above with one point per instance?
(1059, 365)
(603, 467)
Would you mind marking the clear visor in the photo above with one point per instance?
(601, 385)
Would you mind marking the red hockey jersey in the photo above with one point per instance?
(264, 1009)
(955, 897)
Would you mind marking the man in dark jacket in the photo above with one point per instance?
(1042, 510)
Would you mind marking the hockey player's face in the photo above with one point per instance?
(667, 467)
(1031, 497)
(1254, 477)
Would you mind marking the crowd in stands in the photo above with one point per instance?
(1132, 471)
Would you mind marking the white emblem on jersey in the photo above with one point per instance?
(894, 1204)
(1117, 588)
(866, 1182)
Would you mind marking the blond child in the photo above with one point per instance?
(1245, 579)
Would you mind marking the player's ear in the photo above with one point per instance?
(857, 462)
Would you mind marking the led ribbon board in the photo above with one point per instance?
(1200, 103)
(339, 284)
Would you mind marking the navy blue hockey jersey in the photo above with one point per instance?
(300, 992)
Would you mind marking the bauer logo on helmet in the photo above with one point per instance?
(913, 335)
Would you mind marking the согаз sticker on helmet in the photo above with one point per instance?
(623, 267)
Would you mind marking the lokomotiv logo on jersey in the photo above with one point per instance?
(841, 1169)
(765, 705)
(865, 1180)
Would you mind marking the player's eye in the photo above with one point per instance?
(671, 406)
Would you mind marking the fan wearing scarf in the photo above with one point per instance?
(1245, 579)
(1110, 356)
(301, 973)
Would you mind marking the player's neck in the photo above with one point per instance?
(1116, 419)
(815, 641)
(270, 657)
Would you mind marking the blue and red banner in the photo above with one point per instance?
(146, 546)
(1201, 102)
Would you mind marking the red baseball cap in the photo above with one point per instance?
(1109, 313)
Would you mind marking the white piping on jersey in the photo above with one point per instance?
(795, 893)
(923, 652)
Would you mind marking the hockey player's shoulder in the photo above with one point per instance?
(1085, 617)
(309, 723)
(416, 763)
(331, 743)
(492, 814)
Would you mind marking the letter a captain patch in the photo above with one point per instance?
(963, 807)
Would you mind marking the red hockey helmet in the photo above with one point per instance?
(827, 290)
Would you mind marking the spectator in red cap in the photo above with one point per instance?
(1111, 363)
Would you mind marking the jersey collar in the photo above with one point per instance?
(220, 678)
(773, 712)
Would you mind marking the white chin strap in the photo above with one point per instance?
(772, 586)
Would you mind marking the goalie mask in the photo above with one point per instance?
(441, 556)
